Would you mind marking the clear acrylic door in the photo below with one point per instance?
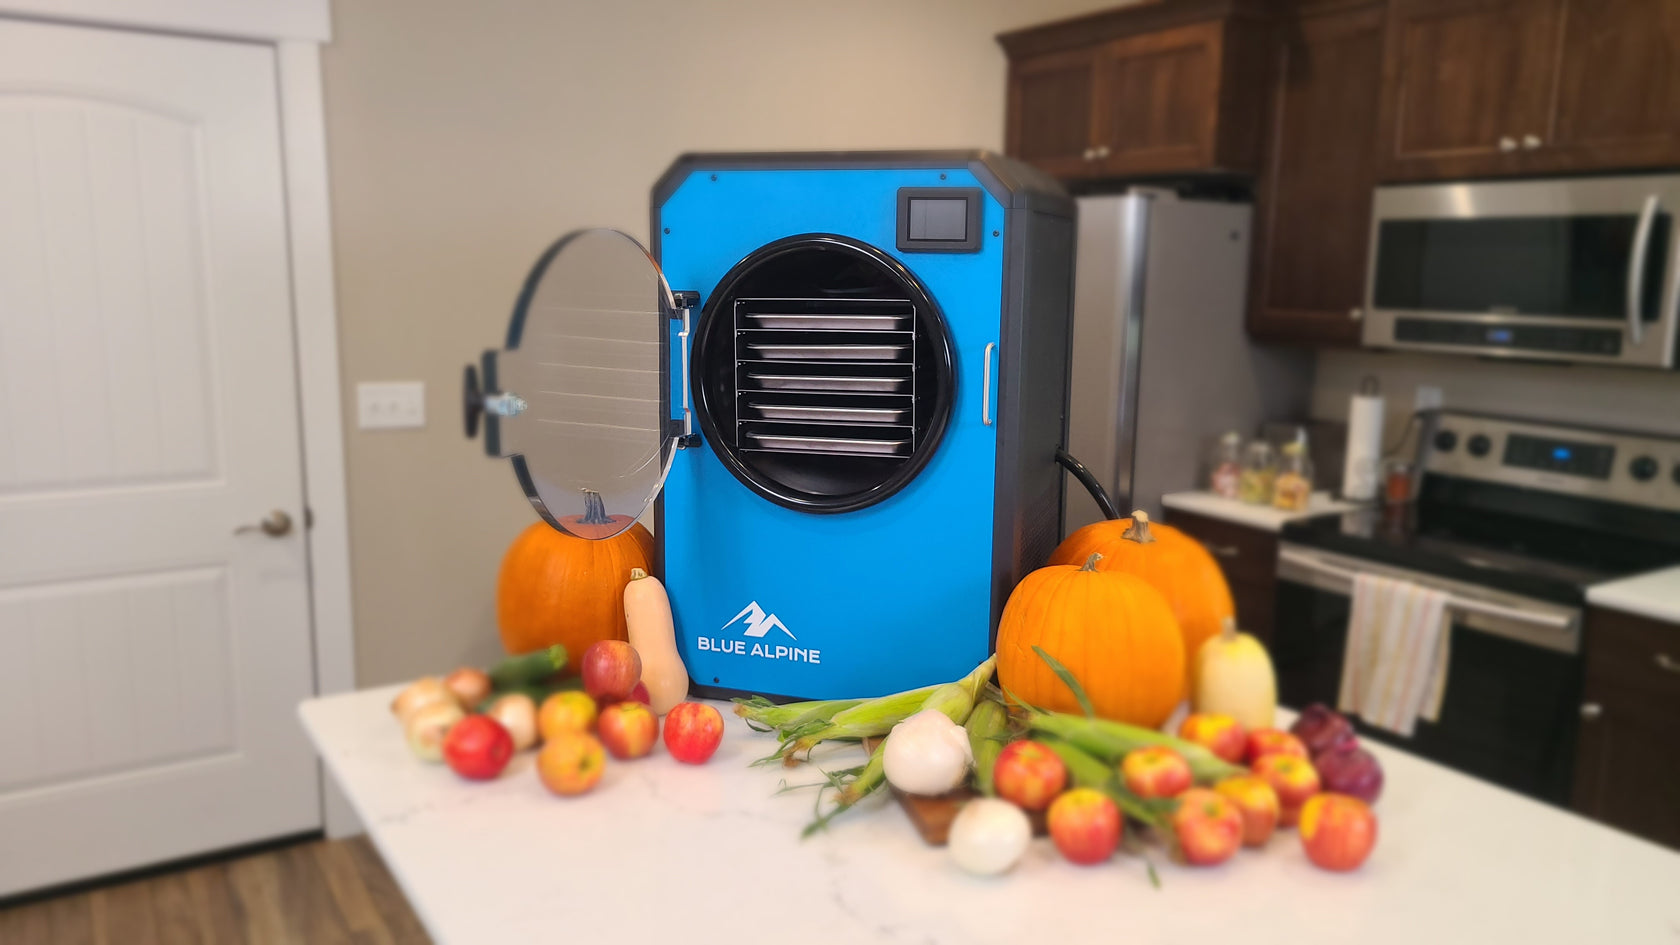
(579, 398)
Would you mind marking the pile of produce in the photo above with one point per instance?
(476, 720)
(1093, 656)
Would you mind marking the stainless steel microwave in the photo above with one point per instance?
(1583, 269)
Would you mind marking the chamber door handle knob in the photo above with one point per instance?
(1507, 144)
(1591, 710)
(277, 525)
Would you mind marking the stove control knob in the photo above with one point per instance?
(1479, 445)
(1445, 440)
(1643, 468)
(1675, 475)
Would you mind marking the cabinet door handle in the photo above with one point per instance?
(1224, 551)
(1507, 144)
(1356, 313)
(1102, 151)
(1669, 663)
(1591, 710)
(1531, 142)
(1090, 154)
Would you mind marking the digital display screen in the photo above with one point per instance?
(1499, 336)
(1591, 460)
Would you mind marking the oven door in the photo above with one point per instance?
(1513, 681)
(1578, 270)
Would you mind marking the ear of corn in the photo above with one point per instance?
(987, 726)
(1110, 741)
(765, 715)
(1088, 771)
(878, 716)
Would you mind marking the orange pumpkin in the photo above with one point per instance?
(557, 588)
(1170, 561)
(1112, 630)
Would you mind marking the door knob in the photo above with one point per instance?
(277, 525)
(1507, 144)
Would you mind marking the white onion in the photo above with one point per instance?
(518, 714)
(420, 693)
(428, 726)
(989, 835)
(470, 685)
(927, 754)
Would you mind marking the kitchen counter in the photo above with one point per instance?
(1263, 517)
(668, 852)
(1655, 595)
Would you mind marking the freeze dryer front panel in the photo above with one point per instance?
(897, 594)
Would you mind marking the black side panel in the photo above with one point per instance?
(1034, 343)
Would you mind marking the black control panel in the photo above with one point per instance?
(1592, 460)
(1518, 337)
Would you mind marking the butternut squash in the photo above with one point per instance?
(647, 615)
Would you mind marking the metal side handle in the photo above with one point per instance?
(1636, 269)
(1558, 622)
(986, 384)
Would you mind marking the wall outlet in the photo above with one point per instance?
(391, 405)
(1427, 398)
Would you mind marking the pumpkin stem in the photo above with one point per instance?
(594, 510)
(636, 574)
(1139, 530)
(1091, 562)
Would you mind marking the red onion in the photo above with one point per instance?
(1348, 769)
(1320, 727)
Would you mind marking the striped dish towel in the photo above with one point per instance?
(1398, 644)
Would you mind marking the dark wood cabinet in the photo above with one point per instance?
(1248, 556)
(1627, 771)
(1500, 87)
(1313, 196)
(1050, 111)
(1155, 89)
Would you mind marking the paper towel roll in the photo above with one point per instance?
(1360, 473)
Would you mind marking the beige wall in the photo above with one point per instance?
(464, 136)
(1623, 398)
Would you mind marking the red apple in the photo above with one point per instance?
(692, 732)
(1337, 831)
(570, 763)
(1272, 741)
(1085, 826)
(1293, 779)
(628, 729)
(1155, 771)
(1028, 775)
(1220, 734)
(1208, 827)
(640, 694)
(611, 669)
(477, 747)
(1257, 802)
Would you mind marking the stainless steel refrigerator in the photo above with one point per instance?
(1161, 363)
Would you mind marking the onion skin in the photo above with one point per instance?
(1349, 769)
(927, 754)
(470, 685)
(421, 693)
(518, 714)
(429, 726)
(1321, 728)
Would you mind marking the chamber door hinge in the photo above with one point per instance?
(685, 301)
(674, 429)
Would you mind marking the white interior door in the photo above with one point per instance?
(151, 660)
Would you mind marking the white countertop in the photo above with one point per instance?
(1655, 595)
(663, 852)
(1263, 517)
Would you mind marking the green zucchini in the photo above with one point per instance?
(531, 669)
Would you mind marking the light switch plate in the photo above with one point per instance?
(391, 405)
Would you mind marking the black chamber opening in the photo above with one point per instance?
(822, 373)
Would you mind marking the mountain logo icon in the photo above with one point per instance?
(758, 623)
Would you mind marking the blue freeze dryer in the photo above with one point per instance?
(839, 380)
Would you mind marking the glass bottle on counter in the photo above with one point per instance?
(1292, 491)
(1258, 473)
(1227, 466)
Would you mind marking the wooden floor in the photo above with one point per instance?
(319, 892)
